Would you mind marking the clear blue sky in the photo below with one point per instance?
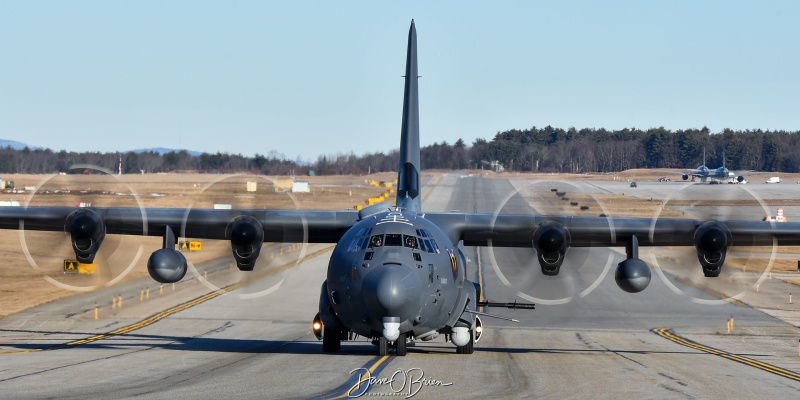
(311, 78)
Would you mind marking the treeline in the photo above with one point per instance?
(551, 149)
(43, 161)
(545, 149)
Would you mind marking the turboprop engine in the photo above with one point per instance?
(551, 241)
(246, 235)
(711, 242)
(87, 231)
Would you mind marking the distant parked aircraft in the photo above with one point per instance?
(718, 174)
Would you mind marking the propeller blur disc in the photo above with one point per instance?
(244, 192)
(583, 268)
(744, 267)
(82, 186)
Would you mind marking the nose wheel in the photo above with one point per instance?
(399, 346)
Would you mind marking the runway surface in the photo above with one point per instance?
(592, 340)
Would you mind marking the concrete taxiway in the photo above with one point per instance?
(587, 338)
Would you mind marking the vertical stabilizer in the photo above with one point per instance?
(408, 186)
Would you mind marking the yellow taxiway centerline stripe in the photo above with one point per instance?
(733, 357)
(161, 315)
(668, 334)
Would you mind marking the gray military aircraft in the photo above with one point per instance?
(397, 273)
(713, 175)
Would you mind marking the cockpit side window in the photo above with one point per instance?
(425, 246)
(376, 241)
(435, 247)
(394, 239)
(353, 245)
(359, 242)
(410, 241)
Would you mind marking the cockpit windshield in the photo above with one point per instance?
(398, 240)
(376, 241)
(394, 239)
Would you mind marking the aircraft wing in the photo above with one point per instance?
(692, 172)
(247, 230)
(508, 230)
(278, 225)
(551, 236)
(749, 173)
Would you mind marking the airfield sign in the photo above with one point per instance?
(76, 267)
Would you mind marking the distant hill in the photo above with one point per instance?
(160, 150)
(164, 150)
(15, 145)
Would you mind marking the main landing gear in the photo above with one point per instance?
(468, 348)
(331, 340)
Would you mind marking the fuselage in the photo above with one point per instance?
(401, 266)
(704, 173)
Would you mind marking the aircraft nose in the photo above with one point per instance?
(390, 289)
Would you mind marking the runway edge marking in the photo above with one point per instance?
(159, 316)
(667, 333)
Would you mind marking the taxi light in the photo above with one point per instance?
(316, 327)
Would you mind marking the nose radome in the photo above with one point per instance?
(392, 286)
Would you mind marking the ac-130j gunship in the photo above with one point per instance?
(397, 273)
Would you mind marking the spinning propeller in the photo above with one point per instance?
(722, 257)
(720, 261)
(243, 196)
(83, 238)
(89, 197)
(554, 272)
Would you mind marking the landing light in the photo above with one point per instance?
(316, 327)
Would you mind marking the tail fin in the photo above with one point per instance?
(408, 185)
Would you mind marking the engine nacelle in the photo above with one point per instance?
(686, 177)
(166, 265)
(711, 242)
(632, 275)
(87, 231)
(551, 241)
(740, 178)
(247, 236)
